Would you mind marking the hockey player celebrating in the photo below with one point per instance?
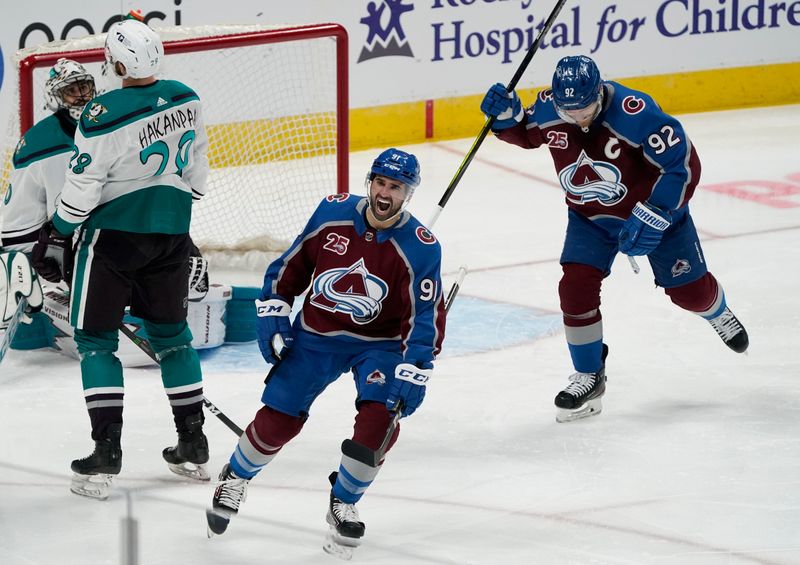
(139, 160)
(374, 307)
(628, 170)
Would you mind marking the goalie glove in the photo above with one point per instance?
(407, 390)
(52, 255)
(18, 280)
(642, 231)
(504, 106)
(275, 334)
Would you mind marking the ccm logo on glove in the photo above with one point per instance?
(410, 373)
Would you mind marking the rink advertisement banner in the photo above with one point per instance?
(406, 51)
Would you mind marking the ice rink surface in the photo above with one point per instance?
(694, 460)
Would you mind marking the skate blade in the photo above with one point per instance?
(340, 546)
(589, 408)
(216, 522)
(190, 470)
(97, 487)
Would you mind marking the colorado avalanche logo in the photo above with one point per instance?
(632, 105)
(352, 290)
(586, 181)
(681, 267)
(341, 197)
(376, 377)
(425, 236)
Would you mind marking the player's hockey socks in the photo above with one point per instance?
(582, 396)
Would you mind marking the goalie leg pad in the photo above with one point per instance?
(18, 280)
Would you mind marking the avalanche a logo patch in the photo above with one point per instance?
(376, 378)
(587, 181)
(350, 290)
(681, 267)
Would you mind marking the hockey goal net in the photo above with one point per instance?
(275, 102)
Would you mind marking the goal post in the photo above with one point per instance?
(275, 103)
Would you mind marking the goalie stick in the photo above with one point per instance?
(144, 345)
(8, 336)
(373, 458)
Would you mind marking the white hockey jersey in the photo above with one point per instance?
(40, 166)
(139, 161)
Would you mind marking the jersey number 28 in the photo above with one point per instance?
(161, 149)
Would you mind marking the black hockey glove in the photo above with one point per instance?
(52, 255)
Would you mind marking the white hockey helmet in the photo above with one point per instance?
(68, 73)
(136, 46)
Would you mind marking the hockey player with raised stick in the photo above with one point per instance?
(375, 307)
(139, 161)
(628, 170)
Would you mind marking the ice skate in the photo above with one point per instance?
(230, 493)
(583, 396)
(346, 529)
(93, 475)
(189, 457)
(731, 331)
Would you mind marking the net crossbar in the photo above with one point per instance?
(275, 103)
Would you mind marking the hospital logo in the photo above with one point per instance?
(350, 290)
(385, 35)
(588, 181)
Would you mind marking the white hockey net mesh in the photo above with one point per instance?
(271, 115)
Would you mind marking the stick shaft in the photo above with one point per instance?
(145, 346)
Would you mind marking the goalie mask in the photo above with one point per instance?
(137, 47)
(385, 201)
(69, 86)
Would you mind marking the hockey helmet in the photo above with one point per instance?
(576, 83)
(65, 73)
(398, 165)
(136, 46)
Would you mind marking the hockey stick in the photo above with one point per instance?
(144, 345)
(488, 125)
(363, 453)
(8, 336)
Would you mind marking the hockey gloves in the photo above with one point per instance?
(504, 106)
(52, 255)
(642, 231)
(18, 280)
(408, 387)
(275, 335)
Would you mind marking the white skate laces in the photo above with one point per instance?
(231, 493)
(726, 325)
(344, 512)
(580, 384)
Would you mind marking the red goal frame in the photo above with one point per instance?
(315, 31)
